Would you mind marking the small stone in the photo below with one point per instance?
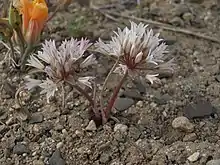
(182, 123)
(59, 145)
(56, 159)
(140, 104)
(122, 104)
(134, 132)
(20, 149)
(187, 17)
(38, 162)
(194, 157)
(36, 118)
(104, 158)
(121, 128)
(3, 129)
(217, 78)
(190, 137)
(177, 21)
(200, 109)
(91, 126)
(134, 94)
(140, 86)
(213, 162)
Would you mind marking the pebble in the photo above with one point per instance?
(59, 145)
(20, 149)
(182, 123)
(3, 128)
(38, 162)
(187, 17)
(177, 21)
(91, 126)
(213, 162)
(140, 104)
(56, 159)
(104, 158)
(200, 109)
(194, 157)
(134, 94)
(36, 118)
(190, 137)
(121, 128)
(122, 104)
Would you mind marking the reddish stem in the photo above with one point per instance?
(107, 110)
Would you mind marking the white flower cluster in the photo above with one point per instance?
(138, 49)
(60, 65)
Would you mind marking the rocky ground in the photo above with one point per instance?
(172, 123)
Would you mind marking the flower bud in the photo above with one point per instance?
(14, 17)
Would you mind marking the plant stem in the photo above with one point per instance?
(111, 103)
(21, 38)
(105, 83)
(25, 56)
(84, 93)
(12, 49)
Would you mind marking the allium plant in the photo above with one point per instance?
(135, 50)
(61, 65)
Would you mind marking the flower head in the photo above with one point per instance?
(62, 64)
(34, 15)
(137, 48)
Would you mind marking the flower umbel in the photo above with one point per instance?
(137, 48)
(62, 64)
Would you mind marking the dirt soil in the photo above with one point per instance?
(145, 133)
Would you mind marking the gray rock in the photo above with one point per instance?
(134, 132)
(182, 123)
(104, 158)
(177, 21)
(121, 127)
(36, 118)
(213, 162)
(180, 10)
(91, 126)
(122, 104)
(38, 162)
(162, 99)
(187, 17)
(134, 94)
(194, 157)
(190, 137)
(20, 149)
(56, 159)
(140, 86)
(217, 78)
(3, 129)
(199, 110)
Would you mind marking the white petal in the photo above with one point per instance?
(85, 81)
(138, 58)
(33, 61)
(90, 60)
(49, 88)
(152, 78)
(31, 83)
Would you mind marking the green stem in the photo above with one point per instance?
(25, 56)
(12, 49)
(112, 100)
(21, 38)
(106, 81)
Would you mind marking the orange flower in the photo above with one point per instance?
(34, 15)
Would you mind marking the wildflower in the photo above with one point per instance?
(34, 15)
(137, 49)
(61, 65)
